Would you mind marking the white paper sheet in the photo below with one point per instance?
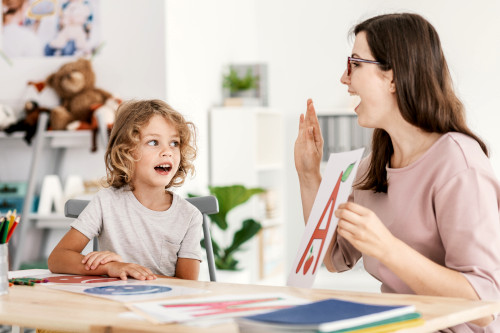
(115, 289)
(334, 189)
(208, 311)
(127, 291)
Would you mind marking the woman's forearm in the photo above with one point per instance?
(426, 277)
(308, 189)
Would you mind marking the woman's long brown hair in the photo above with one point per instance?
(410, 46)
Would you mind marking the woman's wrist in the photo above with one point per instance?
(310, 179)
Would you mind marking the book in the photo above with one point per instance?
(331, 315)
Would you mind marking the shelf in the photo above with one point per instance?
(65, 139)
(12, 136)
(254, 136)
(44, 141)
(54, 220)
(47, 217)
(247, 146)
(57, 139)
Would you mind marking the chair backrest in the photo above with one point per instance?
(206, 205)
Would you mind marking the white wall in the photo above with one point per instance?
(202, 38)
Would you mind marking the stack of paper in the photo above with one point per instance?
(333, 315)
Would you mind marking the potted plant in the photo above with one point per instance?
(238, 85)
(230, 197)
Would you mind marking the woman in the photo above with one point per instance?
(424, 212)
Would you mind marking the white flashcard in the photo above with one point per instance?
(334, 189)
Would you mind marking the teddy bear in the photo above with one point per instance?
(74, 84)
(105, 113)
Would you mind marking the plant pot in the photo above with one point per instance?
(245, 93)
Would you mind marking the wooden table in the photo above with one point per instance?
(46, 308)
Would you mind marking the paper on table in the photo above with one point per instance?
(213, 308)
(115, 289)
(128, 291)
(334, 189)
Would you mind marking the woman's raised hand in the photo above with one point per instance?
(308, 150)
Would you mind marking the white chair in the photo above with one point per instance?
(207, 205)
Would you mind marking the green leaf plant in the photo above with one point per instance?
(235, 83)
(230, 197)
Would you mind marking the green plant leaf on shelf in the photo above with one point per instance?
(235, 83)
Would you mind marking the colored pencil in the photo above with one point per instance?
(11, 231)
(8, 224)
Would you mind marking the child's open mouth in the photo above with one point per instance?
(163, 169)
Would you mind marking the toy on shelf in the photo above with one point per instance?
(28, 124)
(79, 98)
(8, 116)
(74, 83)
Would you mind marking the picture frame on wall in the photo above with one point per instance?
(47, 28)
(245, 85)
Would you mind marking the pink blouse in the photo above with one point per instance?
(446, 206)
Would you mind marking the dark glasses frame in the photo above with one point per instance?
(352, 59)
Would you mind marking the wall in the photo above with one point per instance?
(202, 38)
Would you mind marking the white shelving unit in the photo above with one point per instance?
(57, 142)
(247, 147)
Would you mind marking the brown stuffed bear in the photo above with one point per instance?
(74, 84)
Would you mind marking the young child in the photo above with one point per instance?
(143, 228)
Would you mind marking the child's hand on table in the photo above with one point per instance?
(93, 259)
(123, 269)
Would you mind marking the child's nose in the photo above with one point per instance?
(167, 151)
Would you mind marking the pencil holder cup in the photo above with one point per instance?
(4, 269)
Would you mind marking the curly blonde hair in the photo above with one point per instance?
(124, 138)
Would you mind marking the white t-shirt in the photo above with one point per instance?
(142, 236)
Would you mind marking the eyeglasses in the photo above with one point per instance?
(351, 59)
